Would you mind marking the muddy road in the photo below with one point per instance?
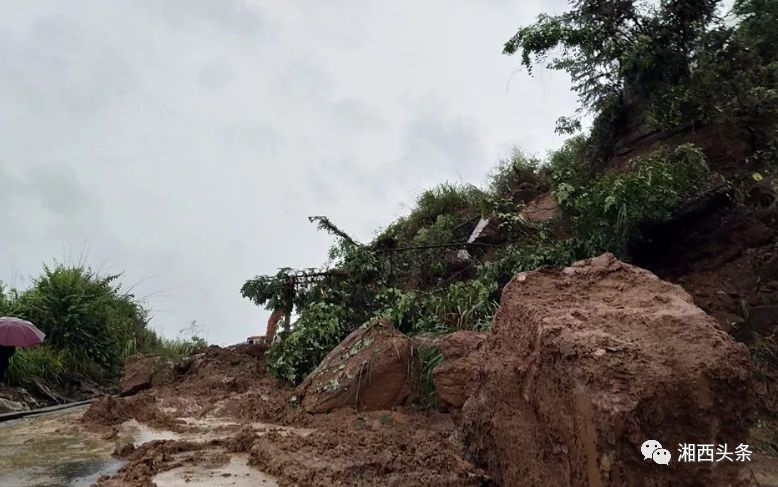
(53, 450)
(58, 450)
(221, 420)
(217, 426)
(573, 376)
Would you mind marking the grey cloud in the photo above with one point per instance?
(217, 74)
(59, 190)
(233, 17)
(356, 115)
(81, 76)
(185, 142)
(55, 188)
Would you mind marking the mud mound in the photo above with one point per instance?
(222, 370)
(235, 383)
(224, 382)
(585, 364)
(270, 403)
(369, 370)
(378, 448)
(142, 371)
(148, 460)
(111, 411)
(242, 441)
(726, 257)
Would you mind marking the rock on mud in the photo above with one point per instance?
(585, 364)
(368, 370)
(454, 378)
(140, 372)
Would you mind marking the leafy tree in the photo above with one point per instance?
(640, 64)
(616, 48)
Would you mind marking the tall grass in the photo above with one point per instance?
(39, 363)
(177, 348)
(91, 323)
(427, 358)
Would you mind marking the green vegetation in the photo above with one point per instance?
(412, 277)
(91, 326)
(40, 363)
(667, 65)
(608, 209)
(664, 69)
(427, 359)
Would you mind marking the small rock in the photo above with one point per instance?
(8, 406)
(124, 449)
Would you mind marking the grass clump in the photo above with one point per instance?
(91, 323)
(427, 358)
(38, 363)
(606, 212)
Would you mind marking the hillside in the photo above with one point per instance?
(555, 327)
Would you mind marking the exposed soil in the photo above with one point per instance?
(584, 364)
(110, 411)
(221, 407)
(725, 254)
(393, 448)
(223, 404)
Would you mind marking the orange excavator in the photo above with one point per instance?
(270, 332)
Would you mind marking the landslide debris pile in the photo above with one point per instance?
(398, 346)
(576, 372)
(670, 179)
(583, 364)
(225, 382)
(222, 403)
(684, 107)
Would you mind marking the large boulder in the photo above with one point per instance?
(368, 370)
(455, 376)
(585, 364)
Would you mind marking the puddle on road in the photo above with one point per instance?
(237, 473)
(54, 451)
(200, 430)
(51, 450)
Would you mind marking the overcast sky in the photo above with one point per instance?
(185, 142)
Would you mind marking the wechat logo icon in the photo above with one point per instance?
(652, 450)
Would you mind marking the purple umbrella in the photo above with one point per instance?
(16, 332)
